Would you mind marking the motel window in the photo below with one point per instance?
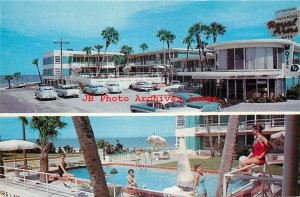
(206, 142)
(239, 58)
(280, 57)
(250, 58)
(275, 61)
(222, 60)
(180, 121)
(230, 59)
(57, 59)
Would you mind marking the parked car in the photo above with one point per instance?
(114, 88)
(168, 90)
(95, 90)
(142, 86)
(157, 85)
(174, 82)
(45, 92)
(177, 106)
(68, 91)
(20, 85)
(207, 104)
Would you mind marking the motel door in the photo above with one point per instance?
(235, 89)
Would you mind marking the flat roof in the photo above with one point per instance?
(253, 43)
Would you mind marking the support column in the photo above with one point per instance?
(291, 156)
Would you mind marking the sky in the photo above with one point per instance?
(103, 127)
(28, 28)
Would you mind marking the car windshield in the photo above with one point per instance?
(113, 84)
(69, 87)
(48, 88)
(174, 104)
(143, 83)
(97, 86)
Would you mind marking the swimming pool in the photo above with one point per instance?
(154, 179)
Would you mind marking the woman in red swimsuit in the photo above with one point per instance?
(259, 148)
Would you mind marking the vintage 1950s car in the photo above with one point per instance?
(68, 91)
(207, 104)
(45, 92)
(169, 106)
(142, 86)
(114, 88)
(95, 90)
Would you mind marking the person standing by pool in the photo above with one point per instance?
(199, 188)
(131, 179)
(62, 170)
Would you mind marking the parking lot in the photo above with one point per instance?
(24, 101)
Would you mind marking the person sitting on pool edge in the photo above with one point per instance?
(131, 179)
(62, 170)
(260, 147)
(199, 189)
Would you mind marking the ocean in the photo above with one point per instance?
(23, 78)
(130, 142)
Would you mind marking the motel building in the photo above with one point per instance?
(193, 130)
(148, 66)
(250, 68)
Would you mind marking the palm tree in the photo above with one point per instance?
(17, 75)
(162, 35)
(24, 123)
(207, 122)
(126, 50)
(47, 127)
(36, 63)
(118, 60)
(228, 150)
(188, 40)
(88, 52)
(169, 39)
(111, 36)
(98, 47)
(88, 146)
(8, 78)
(196, 31)
(144, 47)
(216, 29)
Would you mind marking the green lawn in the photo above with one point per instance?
(214, 164)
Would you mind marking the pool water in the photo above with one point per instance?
(154, 179)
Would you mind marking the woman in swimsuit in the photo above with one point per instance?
(199, 188)
(131, 179)
(259, 148)
(62, 170)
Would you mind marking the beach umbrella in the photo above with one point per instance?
(277, 140)
(157, 141)
(126, 69)
(13, 145)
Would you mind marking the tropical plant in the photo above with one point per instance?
(228, 151)
(216, 29)
(36, 63)
(8, 78)
(188, 40)
(118, 60)
(88, 145)
(98, 47)
(144, 47)
(169, 39)
(17, 75)
(88, 52)
(111, 36)
(126, 50)
(47, 128)
(196, 31)
(24, 123)
(162, 35)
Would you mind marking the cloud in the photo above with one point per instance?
(78, 19)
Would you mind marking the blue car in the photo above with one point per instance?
(197, 101)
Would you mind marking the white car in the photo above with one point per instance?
(142, 86)
(114, 88)
(20, 85)
(96, 89)
(68, 91)
(45, 92)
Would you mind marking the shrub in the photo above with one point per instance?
(293, 93)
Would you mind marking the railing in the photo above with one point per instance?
(270, 123)
(18, 179)
(265, 180)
